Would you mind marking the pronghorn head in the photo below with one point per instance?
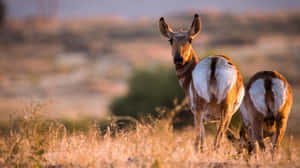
(181, 42)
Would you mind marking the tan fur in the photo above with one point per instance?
(261, 126)
(181, 47)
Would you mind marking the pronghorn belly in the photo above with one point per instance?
(257, 94)
(201, 78)
(280, 93)
(213, 112)
(225, 75)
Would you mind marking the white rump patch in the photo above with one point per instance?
(257, 94)
(280, 91)
(226, 76)
(201, 78)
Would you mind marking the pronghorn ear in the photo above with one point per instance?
(195, 27)
(165, 30)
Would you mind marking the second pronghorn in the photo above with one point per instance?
(265, 109)
(213, 86)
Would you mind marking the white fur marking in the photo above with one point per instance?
(181, 82)
(201, 78)
(246, 117)
(191, 98)
(204, 114)
(257, 94)
(279, 90)
(179, 34)
(239, 100)
(226, 76)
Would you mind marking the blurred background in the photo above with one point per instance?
(97, 58)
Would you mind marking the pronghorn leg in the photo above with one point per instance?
(230, 136)
(221, 129)
(257, 133)
(244, 139)
(199, 126)
(202, 147)
(198, 129)
(252, 145)
(224, 123)
(200, 132)
(280, 130)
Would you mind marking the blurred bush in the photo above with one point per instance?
(148, 90)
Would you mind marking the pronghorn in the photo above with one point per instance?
(213, 87)
(265, 109)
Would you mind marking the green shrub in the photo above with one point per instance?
(149, 89)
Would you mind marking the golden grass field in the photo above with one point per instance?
(35, 141)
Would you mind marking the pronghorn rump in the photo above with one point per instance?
(213, 78)
(265, 108)
(214, 89)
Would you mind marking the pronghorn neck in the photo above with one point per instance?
(184, 72)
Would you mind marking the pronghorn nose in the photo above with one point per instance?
(178, 60)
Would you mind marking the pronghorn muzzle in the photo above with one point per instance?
(178, 60)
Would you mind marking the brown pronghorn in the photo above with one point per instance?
(213, 86)
(265, 109)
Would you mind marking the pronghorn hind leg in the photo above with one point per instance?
(224, 123)
(281, 121)
(256, 133)
(221, 129)
(280, 130)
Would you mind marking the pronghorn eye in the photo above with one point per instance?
(171, 41)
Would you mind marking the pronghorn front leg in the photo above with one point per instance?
(198, 129)
(200, 132)
(199, 126)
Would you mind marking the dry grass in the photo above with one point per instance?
(34, 141)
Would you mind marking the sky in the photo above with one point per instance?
(139, 8)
